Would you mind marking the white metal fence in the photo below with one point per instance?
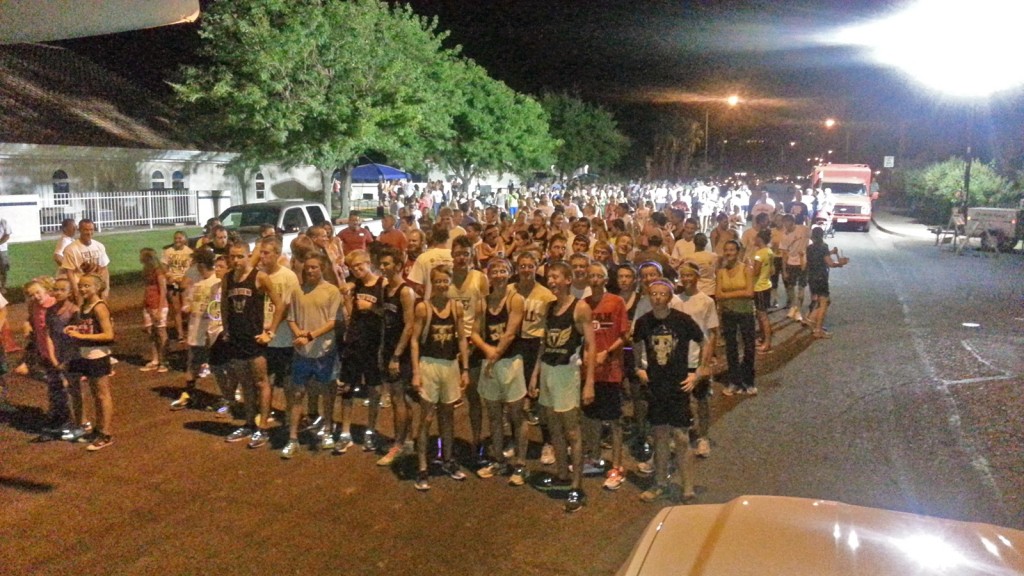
(122, 209)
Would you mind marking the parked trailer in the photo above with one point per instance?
(998, 228)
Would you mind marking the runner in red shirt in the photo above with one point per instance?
(355, 237)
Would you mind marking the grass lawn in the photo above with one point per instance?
(32, 259)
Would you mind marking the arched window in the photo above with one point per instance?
(261, 187)
(157, 180)
(61, 189)
(178, 180)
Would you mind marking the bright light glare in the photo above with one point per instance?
(962, 49)
(733, 100)
(830, 122)
(990, 546)
(930, 552)
(853, 541)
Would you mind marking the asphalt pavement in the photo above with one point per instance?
(915, 404)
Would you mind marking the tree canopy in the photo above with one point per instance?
(321, 82)
(936, 188)
(588, 134)
(495, 128)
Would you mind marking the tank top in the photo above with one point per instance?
(393, 320)
(561, 339)
(441, 338)
(244, 315)
(365, 326)
(87, 322)
(733, 279)
(493, 329)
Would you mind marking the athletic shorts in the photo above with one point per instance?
(320, 369)
(439, 380)
(90, 367)
(763, 300)
(818, 286)
(220, 351)
(607, 404)
(279, 364)
(560, 386)
(244, 348)
(151, 317)
(505, 382)
(360, 368)
(668, 405)
(794, 276)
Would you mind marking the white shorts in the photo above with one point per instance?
(505, 383)
(439, 380)
(151, 316)
(560, 387)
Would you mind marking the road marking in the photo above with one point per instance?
(1002, 376)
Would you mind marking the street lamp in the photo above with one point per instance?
(732, 101)
(917, 41)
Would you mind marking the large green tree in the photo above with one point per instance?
(496, 129)
(588, 134)
(320, 82)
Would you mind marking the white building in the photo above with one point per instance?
(79, 141)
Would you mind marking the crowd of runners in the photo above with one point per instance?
(588, 313)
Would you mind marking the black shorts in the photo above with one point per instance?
(359, 368)
(244, 348)
(220, 352)
(668, 405)
(279, 364)
(607, 404)
(404, 369)
(90, 367)
(763, 300)
(818, 286)
(794, 276)
(528, 348)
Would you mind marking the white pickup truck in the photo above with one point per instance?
(289, 217)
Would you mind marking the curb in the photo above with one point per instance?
(886, 230)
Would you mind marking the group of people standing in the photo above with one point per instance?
(562, 315)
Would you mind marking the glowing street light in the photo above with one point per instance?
(830, 122)
(732, 101)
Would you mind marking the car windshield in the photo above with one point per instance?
(844, 188)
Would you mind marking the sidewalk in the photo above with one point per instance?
(892, 222)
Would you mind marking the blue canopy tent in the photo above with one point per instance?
(374, 172)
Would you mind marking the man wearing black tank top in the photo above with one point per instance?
(244, 290)
(568, 339)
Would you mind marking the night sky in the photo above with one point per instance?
(646, 59)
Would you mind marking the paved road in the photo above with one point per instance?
(905, 408)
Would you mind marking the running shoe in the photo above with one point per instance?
(100, 442)
(614, 479)
(532, 418)
(518, 477)
(259, 438)
(182, 402)
(290, 449)
(490, 471)
(553, 483)
(731, 390)
(751, 391)
(390, 456)
(326, 438)
(76, 434)
(222, 408)
(654, 493)
(204, 371)
(593, 468)
(547, 454)
(162, 368)
(703, 448)
(509, 451)
(452, 469)
(343, 444)
(239, 434)
(314, 423)
(646, 468)
(422, 481)
(576, 500)
(369, 441)
(150, 366)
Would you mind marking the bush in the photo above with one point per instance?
(935, 189)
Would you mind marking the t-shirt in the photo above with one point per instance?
(702, 309)
(425, 262)
(816, 267)
(355, 238)
(707, 264)
(62, 243)
(682, 250)
(311, 308)
(394, 238)
(203, 323)
(610, 323)
(767, 259)
(666, 343)
(535, 309)
(470, 294)
(284, 282)
(78, 256)
(176, 262)
(794, 244)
